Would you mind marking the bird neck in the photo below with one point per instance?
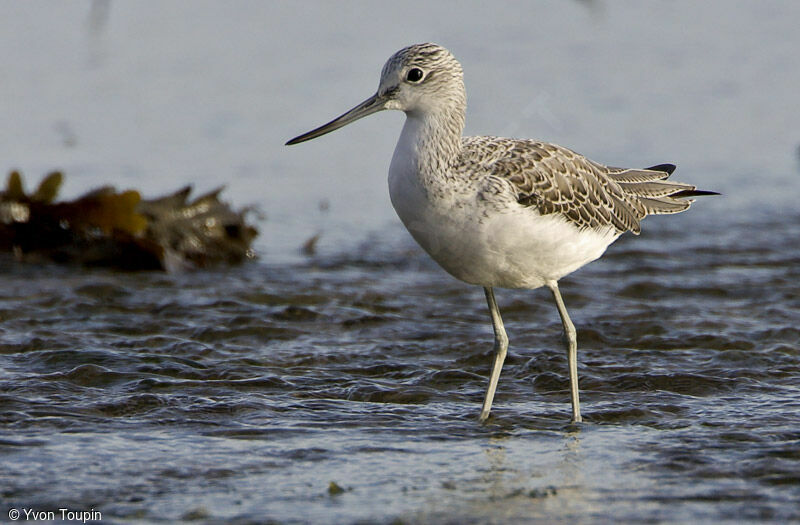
(434, 138)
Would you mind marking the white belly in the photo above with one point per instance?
(514, 248)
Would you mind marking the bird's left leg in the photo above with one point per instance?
(572, 350)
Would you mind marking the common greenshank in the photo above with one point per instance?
(501, 212)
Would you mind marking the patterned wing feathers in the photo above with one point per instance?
(554, 179)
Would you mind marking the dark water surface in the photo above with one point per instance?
(240, 395)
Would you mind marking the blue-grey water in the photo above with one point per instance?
(240, 395)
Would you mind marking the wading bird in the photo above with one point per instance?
(501, 212)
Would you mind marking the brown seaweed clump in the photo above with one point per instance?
(120, 229)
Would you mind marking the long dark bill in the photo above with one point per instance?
(372, 105)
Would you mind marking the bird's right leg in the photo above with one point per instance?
(500, 349)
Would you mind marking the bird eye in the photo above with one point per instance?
(414, 74)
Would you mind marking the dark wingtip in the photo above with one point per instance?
(668, 168)
(694, 193)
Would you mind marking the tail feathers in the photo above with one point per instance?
(635, 176)
(655, 189)
(653, 192)
(676, 201)
(664, 205)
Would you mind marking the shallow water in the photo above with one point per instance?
(238, 396)
(241, 395)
